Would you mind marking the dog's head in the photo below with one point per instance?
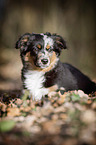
(40, 50)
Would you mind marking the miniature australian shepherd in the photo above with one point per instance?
(42, 70)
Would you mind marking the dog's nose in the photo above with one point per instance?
(44, 61)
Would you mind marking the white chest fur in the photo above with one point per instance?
(34, 83)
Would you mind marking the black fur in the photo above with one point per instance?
(69, 77)
(63, 74)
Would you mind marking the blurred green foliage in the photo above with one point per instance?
(6, 125)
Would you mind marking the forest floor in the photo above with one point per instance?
(66, 118)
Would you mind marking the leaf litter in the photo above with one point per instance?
(64, 118)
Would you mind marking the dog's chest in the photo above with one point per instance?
(34, 83)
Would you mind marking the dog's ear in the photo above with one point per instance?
(59, 43)
(22, 42)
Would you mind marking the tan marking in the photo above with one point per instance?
(59, 42)
(25, 40)
(52, 63)
(48, 46)
(27, 56)
(53, 88)
(39, 46)
(29, 59)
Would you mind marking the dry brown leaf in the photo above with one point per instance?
(13, 112)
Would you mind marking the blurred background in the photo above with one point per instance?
(72, 19)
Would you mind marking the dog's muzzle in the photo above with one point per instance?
(43, 62)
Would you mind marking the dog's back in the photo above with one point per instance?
(67, 76)
(82, 81)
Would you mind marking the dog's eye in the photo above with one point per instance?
(39, 46)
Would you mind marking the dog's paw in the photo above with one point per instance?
(52, 94)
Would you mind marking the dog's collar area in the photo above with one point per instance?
(44, 64)
(47, 69)
(52, 66)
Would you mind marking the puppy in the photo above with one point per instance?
(42, 70)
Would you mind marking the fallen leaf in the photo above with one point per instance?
(13, 112)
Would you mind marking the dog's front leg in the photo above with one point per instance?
(52, 90)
